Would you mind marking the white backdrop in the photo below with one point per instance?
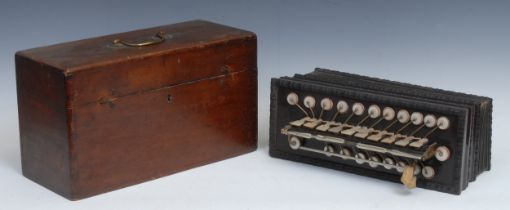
(461, 46)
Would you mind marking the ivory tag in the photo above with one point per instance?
(408, 178)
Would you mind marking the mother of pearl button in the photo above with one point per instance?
(346, 152)
(443, 123)
(388, 113)
(360, 156)
(342, 106)
(388, 161)
(294, 143)
(375, 159)
(292, 98)
(329, 149)
(417, 118)
(417, 170)
(442, 153)
(358, 108)
(326, 104)
(401, 164)
(309, 101)
(430, 120)
(428, 172)
(374, 111)
(403, 116)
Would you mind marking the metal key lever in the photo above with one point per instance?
(419, 143)
(299, 123)
(367, 147)
(327, 125)
(409, 172)
(326, 105)
(331, 154)
(339, 128)
(312, 123)
(363, 132)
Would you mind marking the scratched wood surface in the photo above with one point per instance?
(94, 118)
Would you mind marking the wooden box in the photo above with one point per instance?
(104, 113)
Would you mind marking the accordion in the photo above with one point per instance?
(419, 136)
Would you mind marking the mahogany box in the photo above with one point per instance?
(104, 113)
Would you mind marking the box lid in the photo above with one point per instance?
(84, 54)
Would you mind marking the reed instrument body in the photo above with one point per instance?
(418, 136)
